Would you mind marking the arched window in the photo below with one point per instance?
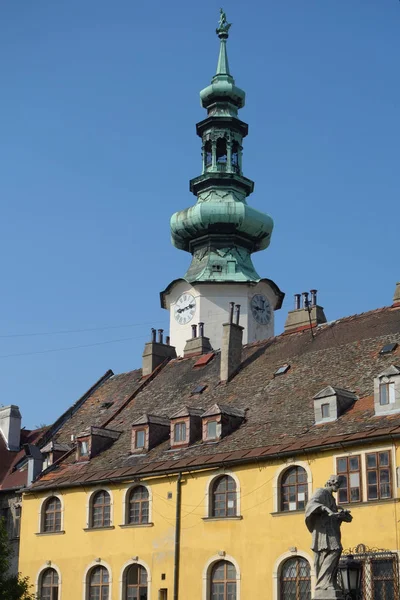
(221, 151)
(235, 156)
(49, 585)
(100, 509)
(51, 521)
(208, 153)
(294, 489)
(138, 506)
(98, 584)
(295, 579)
(223, 581)
(135, 583)
(223, 497)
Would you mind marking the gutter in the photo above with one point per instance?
(217, 465)
(177, 536)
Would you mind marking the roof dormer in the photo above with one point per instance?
(331, 402)
(387, 391)
(93, 441)
(186, 426)
(148, 431)
(220, 420)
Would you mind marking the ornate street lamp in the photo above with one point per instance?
(350, 574)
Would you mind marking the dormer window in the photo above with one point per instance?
(91, 443)
(387, 391)
(186, 426)
(331, 402)
(149, 431)
(220, 420)
(180, 432)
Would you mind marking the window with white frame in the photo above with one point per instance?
(387, 391)
(367, 476)
(48, 585)
(180, 432)
(293, 489)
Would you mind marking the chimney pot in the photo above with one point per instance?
(194, 331)
(305, 299)
(297, 301)
(313, 297)
(160, 336)
(167, 340)
(237, 313)
(231, 309)
(201, 329)
(153, 334)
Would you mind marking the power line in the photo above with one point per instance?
(73, 347)
(62, 331)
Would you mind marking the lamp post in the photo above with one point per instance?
(350, 574)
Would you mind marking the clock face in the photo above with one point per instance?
(184, 309)
(261, 309)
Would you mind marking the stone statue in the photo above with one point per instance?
(223, 25)
(323, 520)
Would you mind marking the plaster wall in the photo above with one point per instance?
(258, 541)
(212, 308)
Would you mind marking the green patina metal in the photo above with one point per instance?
(221, 231)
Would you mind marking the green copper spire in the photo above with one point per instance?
(221, 231)
(222, 33)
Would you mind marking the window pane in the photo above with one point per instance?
(354, 463)
(372, 476)
(371, 461)
(383, 396)
(140, 439)
(341, 465)
(211, 430)
(384, 459)
(354, 480)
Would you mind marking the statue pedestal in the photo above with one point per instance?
(328, 595)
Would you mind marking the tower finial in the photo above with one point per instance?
(223, 34)
(223, 25)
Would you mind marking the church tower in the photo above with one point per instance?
(221, 231)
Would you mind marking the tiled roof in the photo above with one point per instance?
(279, 410)
(10, 476)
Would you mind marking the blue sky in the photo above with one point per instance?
(98, 109)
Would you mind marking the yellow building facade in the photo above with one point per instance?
(257, 540)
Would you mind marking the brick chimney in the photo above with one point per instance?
(155, 352)
(10, 426)
(198, 343)
(231, 349)
(306, 314)
(396, 297)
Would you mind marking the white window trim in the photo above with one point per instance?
(276, 486)
(122, 576)
(125, 502)
(207, 573)
(208, 494)
(89, 496)
(49, 565)
(41, 512)
(276, 574)
(85, 582)
(362, 453)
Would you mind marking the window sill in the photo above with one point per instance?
(128, 525)
(285, 513)
(50, 532)
(349, 505)
(99, 528)
(237, 518)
